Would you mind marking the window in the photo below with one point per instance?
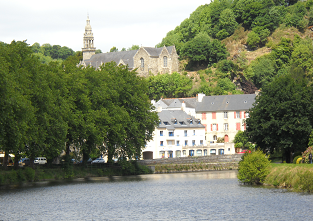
(228, 149)
(170, 154)
(181, 122)
(191, 153)
(175, 121)
(193, 142)
(237, 126)
(184, 153)
(191, 122)
(177, 143)
(203, 116)
(142, 62)
(171, 134)
(186, 142)
(214, 137)
(226, 126)
(166, 123)
(199, 152)
(201, 142)
(225, 115)
(247, 114)
(161, 133)
(214, 127)
(194, 132)
(212, 152)
(185, 133)
(161, 143)
(165, 61)
(226, 139)
(170, 142)
(213, 115)
(178, 153)
(221, 152)
(237, 114)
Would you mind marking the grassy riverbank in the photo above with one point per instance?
(63, 172)
(296, 177)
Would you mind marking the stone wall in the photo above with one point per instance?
(231, 158)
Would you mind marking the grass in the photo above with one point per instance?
(297, 177)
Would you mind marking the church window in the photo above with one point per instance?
(142, 62)
(165, 61)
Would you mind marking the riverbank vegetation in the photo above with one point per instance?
(296, 177)
(69, 171)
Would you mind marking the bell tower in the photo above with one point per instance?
(88, 48)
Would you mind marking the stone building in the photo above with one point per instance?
(146, 60)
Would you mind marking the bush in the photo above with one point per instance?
(306, 153)
(29, 174)
(253, 168)
(306, 179)
(295, 159)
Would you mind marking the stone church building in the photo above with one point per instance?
(146, 60)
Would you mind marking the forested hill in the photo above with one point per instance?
(243, 44)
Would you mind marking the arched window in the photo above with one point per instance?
(214, 137)
(142, 62)
(165, 61)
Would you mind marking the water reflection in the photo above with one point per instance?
(182, 196)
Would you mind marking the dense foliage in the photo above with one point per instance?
(253, 168)
(281, 118)
(44, 106)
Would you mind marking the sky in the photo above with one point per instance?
(119, 23)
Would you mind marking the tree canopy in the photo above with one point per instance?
(281, 117)
(44, 106)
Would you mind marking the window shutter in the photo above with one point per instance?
(240, 114)
(211, 127)
(216, 127)
(213, 115)
(203, 116)
(234, 114)
(244, 126)
(237, 126)
(244, 114)
(205, 127)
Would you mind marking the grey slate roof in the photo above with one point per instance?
(180, 116)
(226, 103)
(126, 56)
(176, 102)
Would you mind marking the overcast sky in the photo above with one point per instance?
(116, 23)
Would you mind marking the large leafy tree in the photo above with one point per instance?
(281, 118)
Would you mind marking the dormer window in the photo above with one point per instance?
(181, 122)
(190, 121)
(166, 123)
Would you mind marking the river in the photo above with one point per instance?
(215, 195)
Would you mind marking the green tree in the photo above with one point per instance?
(281, 117)
(253, 40)
(113, 49)
(253, 168)
(241, 140)
(133, 47)
(228, 21)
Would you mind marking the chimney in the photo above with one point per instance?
(200, 97)
(159, 109)
(183, 106)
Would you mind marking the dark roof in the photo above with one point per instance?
(126, 56)
(183, 120)
(226, 103)
(176, 102)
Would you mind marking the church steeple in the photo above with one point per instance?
(88, 48)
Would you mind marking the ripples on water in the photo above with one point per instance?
(185, 196)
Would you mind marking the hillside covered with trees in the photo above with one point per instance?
(243, 44)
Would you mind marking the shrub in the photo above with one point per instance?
(29, 174)
(306, 179)
(299, 160)
(306, 153)
(295, 159)
(253, 168)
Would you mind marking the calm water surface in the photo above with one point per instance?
(184, 196)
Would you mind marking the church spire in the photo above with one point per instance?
(88, 48)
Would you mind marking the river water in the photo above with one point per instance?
(213, 195)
